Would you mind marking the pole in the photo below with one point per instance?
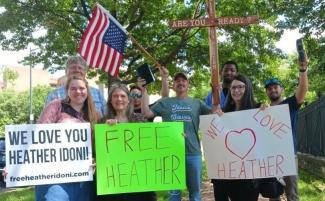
(31, 115)
(158, 65)
(214, 59)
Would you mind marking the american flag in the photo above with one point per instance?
(102, 44)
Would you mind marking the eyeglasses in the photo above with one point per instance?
(272, 81)
(239, 87)
(135, 96)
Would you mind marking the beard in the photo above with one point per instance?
(228, 80)
(274, 98)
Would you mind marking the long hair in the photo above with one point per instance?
(88, 109)
(247, 101)
(111, 111)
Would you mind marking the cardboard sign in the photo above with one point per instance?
(138, 157)
(249, 144)
(48, 154)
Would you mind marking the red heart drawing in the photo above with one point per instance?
(240, 143)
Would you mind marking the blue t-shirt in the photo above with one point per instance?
(186, 110)
(293, 108)
(208, 99)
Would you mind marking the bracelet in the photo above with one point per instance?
(303, 70)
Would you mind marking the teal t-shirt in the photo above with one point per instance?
(186, 110)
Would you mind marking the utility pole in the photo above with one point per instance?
(31, 65)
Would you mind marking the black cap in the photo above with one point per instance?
(180, 74)
(272, 81)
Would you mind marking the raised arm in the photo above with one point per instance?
(303, 81)
(145, 110)
(164, 82)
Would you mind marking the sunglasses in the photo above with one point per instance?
(135, 96)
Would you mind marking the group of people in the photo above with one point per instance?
(78, 102)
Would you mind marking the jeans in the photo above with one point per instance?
(78, 191)
(193, 179)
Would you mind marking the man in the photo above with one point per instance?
(229, 71)
(185, 109)
(76, 66)
(274, 90)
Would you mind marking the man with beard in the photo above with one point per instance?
(229, 71)
(274, 90)
(182, 108)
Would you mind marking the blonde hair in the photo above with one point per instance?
(89, 109)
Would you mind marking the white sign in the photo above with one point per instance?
(248, 144)
(48, 154)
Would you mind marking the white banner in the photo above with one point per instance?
(249, 144)
(48, 153)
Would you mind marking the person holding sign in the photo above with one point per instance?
(120, 110)
(241, 98)
(274, 90)
(76, 66)
(77, 107)
(185, 109)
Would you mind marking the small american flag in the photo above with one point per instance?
(102, 44)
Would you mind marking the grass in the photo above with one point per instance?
(19, 194)
(310, 189)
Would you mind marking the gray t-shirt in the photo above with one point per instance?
(186, 110)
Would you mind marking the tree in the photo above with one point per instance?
(14, 106)
(9, 76)
(309, 17)
(64, 21)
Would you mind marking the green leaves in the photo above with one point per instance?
(14, 106)
(253, 47)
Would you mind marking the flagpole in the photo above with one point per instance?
(158, 65)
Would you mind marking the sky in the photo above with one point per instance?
(9, 58)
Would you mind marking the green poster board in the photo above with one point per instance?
(139, 157)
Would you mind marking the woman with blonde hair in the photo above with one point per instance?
(77, 107)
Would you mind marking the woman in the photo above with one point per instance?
(121, 110)
(241, 98)
(77, 107)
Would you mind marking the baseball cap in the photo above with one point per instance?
(180, 74)
(272, 81)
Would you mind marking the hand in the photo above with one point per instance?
(93, 166)
(217, 87)
(164, 72)
(4, 174)
(303, 65)
(263, 106)
(111, 121)
(218, 111)
(141, 83)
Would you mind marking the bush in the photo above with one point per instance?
(14, 106)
